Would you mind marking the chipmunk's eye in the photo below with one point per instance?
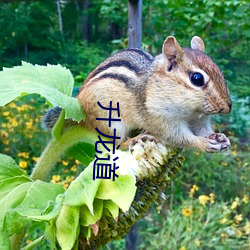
(197, 79)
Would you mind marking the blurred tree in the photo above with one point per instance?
(58, 2)
(30, 31)
(134, 23)
(86, 21)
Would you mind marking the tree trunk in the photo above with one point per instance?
(59, 16)
(134, 41)
(85, 21)
(135, 23)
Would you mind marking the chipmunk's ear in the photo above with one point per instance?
(197, 43)
(171, 49)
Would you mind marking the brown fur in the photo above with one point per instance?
(156, 95)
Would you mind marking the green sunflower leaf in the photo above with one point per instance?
(121, 191)
(86, 218)
(67, 226)
(53, 82)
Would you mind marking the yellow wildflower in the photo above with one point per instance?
(238, 233)
(193, 190)
(70, 178)
(4, 134)
(223, 235)
(234, 152)
(211, 195)
(197, 242)
(35, 159)
(55, 178)
(24, 154)
(183, 248)
(235, 203)
(245, 199)
(238, 218)
(65, 163)
(29, 124)
(77, 162)
(6, 141)
(224, 164)
(187, 211)
(247, 227)
(223, 220)
(6, 113)
(23, 164)
(24, 107)
(28, 241)
(12, 105)
(203, 199)
(19, 108)
(14, 123)
(73, 168)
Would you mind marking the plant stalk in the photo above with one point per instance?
(52, 153)
(57, 147)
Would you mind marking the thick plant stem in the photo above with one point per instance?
(16, 240)
(52, 153)
(58, 146)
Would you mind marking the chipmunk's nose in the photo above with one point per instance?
(227, 108)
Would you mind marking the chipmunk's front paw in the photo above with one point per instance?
(217, 142)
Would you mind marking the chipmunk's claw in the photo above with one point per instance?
(141, 139)
(218, 142)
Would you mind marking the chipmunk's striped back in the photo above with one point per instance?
(121, 78)
(124, 66)
(169, 96)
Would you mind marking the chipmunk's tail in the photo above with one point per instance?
(50, 117)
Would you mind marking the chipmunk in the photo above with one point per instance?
(170, 96)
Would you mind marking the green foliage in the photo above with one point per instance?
(29, 33)
(24, 200)
(232, 166)
(52, 82)
(206, 207)
(19, 198)
(239, 118)
(83, 152)
(19, 127)
(83, 204)
(223, 25)
(81, 58)
(200, 223)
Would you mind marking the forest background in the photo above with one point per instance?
(207, 205)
